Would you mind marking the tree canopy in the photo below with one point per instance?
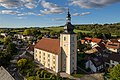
(7, 40)
(21, 63)
(115, 72)
(11, 48)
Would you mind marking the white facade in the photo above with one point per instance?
(47, 59)
(113, 50)
(93, 44)
(68, 44)
(4, 34)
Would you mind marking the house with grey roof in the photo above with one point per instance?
(4, 74)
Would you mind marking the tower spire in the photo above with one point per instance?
(68, 18)
(68, 28)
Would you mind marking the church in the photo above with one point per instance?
(59, 55)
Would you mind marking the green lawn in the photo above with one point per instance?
(76, 31)
(57, 29)
(78, 75)
(43, 31)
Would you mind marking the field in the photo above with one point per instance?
(57, 29)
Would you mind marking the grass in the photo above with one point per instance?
(78, 75)
(76, 31)
(57, 29)
(43, 31)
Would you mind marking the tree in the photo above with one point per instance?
(115, 72)
(31, 78)
(79, 35)
(35, 32)
(27, 32)
(52, 33)
(40, 36)
(7, 40)
(21, 63)
(42, 73)
(11, 48)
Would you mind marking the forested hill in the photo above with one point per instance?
(99, 28)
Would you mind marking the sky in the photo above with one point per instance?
(44, 13)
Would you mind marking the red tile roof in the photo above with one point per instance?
(82, 41)
(87, 38)
(114, 45)
(96, 40)
(49, 45)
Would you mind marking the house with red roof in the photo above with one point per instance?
(113, 46)
(95, 42)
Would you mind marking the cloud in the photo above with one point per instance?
(85, 13)
(30, 5)
(39, 15)
(81, 14)
(51, 8)
(12, 4)
(21, 14)
(30, 13)
(20, 17)
(93, 3)
(57, 19)
(9, 12)
(76, 14)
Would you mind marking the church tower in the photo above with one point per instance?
(68, 44)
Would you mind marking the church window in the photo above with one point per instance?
(73, 51)
(44, 54)
(40, 52)
(36, 55)
(48, 55)
(39, 56)
(48, 64)
(72, 38)
(64, 38)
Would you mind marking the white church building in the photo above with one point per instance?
(59, 55)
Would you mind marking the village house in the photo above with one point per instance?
(58, 54)
(113, 46)
(95, 41)
(30, 49)
(4, 34)
(4, 74)
(96, 50)
(23, 37)
(111, 60)
(95, 64)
